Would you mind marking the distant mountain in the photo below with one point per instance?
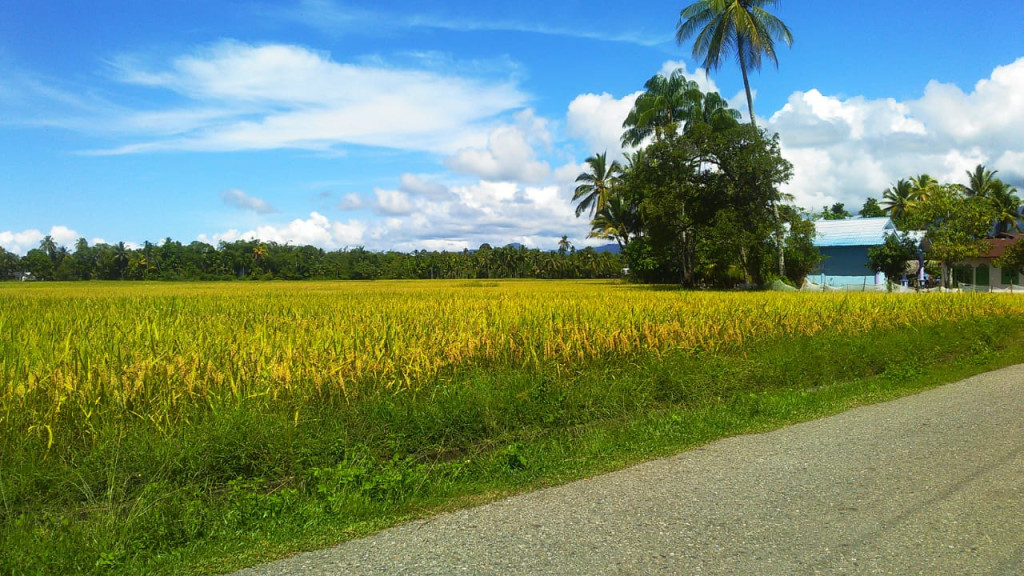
(613, 248)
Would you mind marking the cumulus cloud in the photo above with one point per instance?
(393, 202)
(846, 149)
(254, 97)
(495, 212)
(510, 154)
(597, 120)
(465, 216)
(238, 199)
(317, 230)
(25, 240)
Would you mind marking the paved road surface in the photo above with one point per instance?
(932, 484)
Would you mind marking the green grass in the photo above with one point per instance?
(236, 484)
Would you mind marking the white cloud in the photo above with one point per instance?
(845, 150)
(416, 186)
(465, 216)
(317, 230)
(350, 202)
(239, 199)
(510, 154)
(248, 97)
(22, 242)
(393, 202)
(597, 120)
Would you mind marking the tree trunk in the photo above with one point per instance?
(746, 83)
(778, 239)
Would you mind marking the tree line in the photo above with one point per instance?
(956, 218)
(257, 260)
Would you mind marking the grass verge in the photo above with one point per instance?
(249, 482)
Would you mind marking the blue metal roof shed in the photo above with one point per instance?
(845, 243)
(853, 232)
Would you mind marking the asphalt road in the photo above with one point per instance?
(929, 484)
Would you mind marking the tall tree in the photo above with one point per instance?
(740, 28)
(49, 246)
(836, 212)
(922, 186)
(898, 200)
(871, 209)
(955, 224)
(594, 185)
(620, 221)
(981, 181)
(1006, 204)
(660, 108)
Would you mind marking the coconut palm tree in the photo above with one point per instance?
(980, 181)
(659, 110)
(592, 193)
(899, 199)
(1007, 206)
(48, 245)
(714, 111)
(620, 221)
(922, 186)
(121, 257)
(740, 28)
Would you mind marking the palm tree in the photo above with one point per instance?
(658, 111)
(740, 28)
(922, 186)
(980, 182)
(592, 193)
(1007, 206)
(668, 102)
(714, 111)
(620, 221)
(48, 245)
(121, 257)
(899, 199)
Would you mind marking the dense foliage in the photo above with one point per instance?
(253, 259)
(698, 202)
(892, 257)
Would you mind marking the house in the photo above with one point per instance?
(981, 273)
(844, 245)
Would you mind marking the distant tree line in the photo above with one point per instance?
(257, 260)
(956, 219)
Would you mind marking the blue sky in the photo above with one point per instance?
(406, 125)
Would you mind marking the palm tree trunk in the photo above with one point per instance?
(746, 83)
(778, 239)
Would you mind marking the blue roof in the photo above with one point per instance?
(853, 232)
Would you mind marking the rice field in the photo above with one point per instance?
(144, 350)
(177, 428)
